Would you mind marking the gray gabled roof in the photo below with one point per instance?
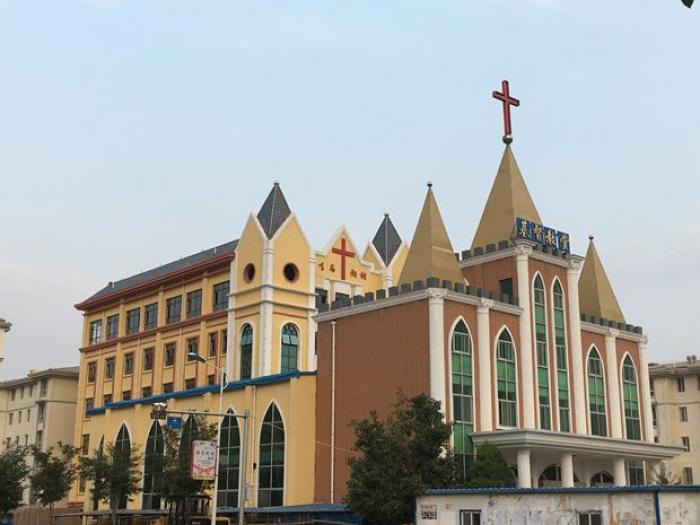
(274, 211)
(386, 240)
(171, 267)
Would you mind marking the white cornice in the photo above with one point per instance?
(577, 443)
(413, 296)
(512, 251)
(609, 331)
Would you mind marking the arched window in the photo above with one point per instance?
(507, 381)
(153, 467)
(596, 395)
(631, 400)
(560, 345)
(602, 479)
(551, 477)
(122, 449)
(462, 395)
(290, 348)
(542, 356)
(271, 467)
(247, 352)
(229, 462)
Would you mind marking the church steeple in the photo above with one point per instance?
(387, 240)
(508, 200)
(596, 296)
(431, 253)
(274, 211)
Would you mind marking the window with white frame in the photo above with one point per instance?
(469, 517)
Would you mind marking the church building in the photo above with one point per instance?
(523, 343)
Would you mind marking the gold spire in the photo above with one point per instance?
(596, 296)
(508, 200)
(430, 254)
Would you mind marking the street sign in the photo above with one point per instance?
(174, 422)
(157, 414)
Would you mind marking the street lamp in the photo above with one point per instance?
(242, 464)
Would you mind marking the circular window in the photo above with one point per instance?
(249, 272)
(291, 272)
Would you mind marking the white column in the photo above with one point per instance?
(645, 394)
(387, 279)
(524, 475)
(311, 336)
(266, 298)
(436, 329)
(620, 472)
(567, 470)
(577, 368)
(485, 392)
(525, 351)
(613, 380)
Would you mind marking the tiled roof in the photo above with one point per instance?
(274, 211)
(171, 267)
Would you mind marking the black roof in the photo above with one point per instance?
(386, 240)
(274, 211)
(171, 267)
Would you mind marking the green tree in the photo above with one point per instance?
(489, 469)
(53, 474)
(116, 475)
(398, 459)
(13, 471)
(175, 484)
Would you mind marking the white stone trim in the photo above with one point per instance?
(603, 330)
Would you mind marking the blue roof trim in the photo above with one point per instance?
(234, 385)
(564, 490)
(314, 507)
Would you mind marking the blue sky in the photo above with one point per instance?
(133, 133)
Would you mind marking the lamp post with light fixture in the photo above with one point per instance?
(244, 445)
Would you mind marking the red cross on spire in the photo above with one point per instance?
(343, 254)
(508, 101)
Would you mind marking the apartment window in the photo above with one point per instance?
(82, 483)
(85, 445)
(150, 314)
(680, 383)
(192, 347)
(112, 327)
(128, 363)
(29, 414)
(21, 393)
(688, 475)
(14, 393)
(467, 517)
(685, 440)
(212, 344)
(194, 304)
(190, 383)
(44, 387)
(590, 518)
(224, 341)
(698, 378)
(653, 415)
(109, 368)
(133, 320)
(211, 379)
(505, 286)
(89, 405)
(146, 391)
(167, 388)
(651, 386)
(39, 438)
(26, 439)
(107, 398)
(173, 309)
(170, 354)
(126, 395)
(40, 412)
(91, 371)
(10, 417)
(148, 359)
(683, 412)
(221, 295)
(95, 332)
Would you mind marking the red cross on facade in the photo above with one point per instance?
(508, 101)
(343, 254)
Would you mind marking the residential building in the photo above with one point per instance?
(39, 409)
(675, 396)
